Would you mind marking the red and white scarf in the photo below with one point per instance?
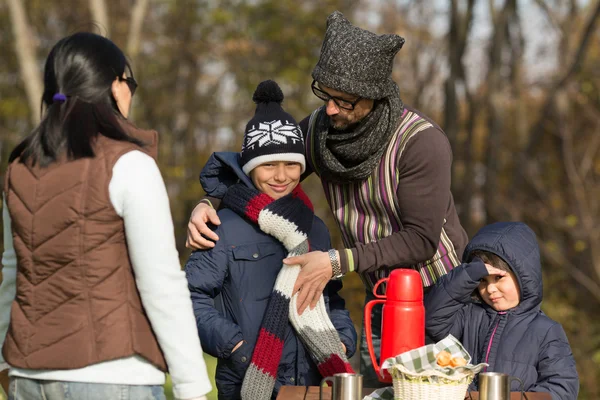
(288, 219)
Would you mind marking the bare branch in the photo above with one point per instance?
(576, 183)
(25, 48)
(558, 260)
(583, 46)
(591, 150)
(549, 13)
(593, 147)
(538, 129)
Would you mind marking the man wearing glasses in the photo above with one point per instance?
(385, 169)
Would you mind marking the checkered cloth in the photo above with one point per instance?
(424, 359)
(381, 394)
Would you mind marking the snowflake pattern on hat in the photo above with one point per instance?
(272, 135)
(274, 132)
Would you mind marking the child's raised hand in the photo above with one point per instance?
(494, 271)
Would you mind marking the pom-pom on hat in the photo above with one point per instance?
(272, 134)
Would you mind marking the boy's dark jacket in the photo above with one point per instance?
(240, 272)
(526, 343)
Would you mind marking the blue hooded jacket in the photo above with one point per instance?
(521, 342)
(230, 286)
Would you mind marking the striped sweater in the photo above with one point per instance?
(403, 215)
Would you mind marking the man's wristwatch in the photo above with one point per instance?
(335, 264)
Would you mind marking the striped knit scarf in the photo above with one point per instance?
(289, 220)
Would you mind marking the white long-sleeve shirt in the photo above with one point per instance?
(138, 194)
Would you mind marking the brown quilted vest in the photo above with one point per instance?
(77, 303)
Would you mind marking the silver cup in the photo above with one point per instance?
(496, 386)
(344, 386)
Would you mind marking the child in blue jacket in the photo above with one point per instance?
(241, 291)
(491, 303)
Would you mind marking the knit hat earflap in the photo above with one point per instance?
(356, 61)
(272, 134)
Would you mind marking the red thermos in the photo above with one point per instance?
(403, 317)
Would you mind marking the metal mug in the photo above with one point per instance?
(496, 386)
(344, 386)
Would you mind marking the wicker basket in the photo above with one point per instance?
(430, 384)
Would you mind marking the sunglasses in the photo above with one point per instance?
(341, 103)
(131, 83)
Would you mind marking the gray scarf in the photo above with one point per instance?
(352, 155)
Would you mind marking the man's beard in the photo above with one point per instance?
(341, 126)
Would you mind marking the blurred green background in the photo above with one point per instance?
(514, 84)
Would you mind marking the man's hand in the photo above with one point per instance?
(4, 380)
(315, 273)
(202, 214)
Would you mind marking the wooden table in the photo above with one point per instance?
(312, 393)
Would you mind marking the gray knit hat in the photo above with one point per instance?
(356, 61)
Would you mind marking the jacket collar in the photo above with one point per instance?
(148, 137)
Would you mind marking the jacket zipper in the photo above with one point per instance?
(487, 354)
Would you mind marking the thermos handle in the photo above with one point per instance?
(328, 379)
(368, 330)
(514, 378)
(379, 282)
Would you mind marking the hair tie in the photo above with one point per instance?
(59, 98)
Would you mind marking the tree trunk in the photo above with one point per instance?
(100, 15)
(135, 28)
(25, 48)
(494, 102)
(457, 40)
(458, 34)
(133, 42)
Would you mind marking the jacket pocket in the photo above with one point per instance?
(254, 251)
(239, 361)
(254, 270)
(230, 373)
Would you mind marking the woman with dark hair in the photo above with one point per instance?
(100, 306)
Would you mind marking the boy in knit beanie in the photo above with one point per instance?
(385, 168)
(254, 329)
(272, 134)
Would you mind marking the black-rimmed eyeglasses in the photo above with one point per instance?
(130, 81)
(341, 103)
